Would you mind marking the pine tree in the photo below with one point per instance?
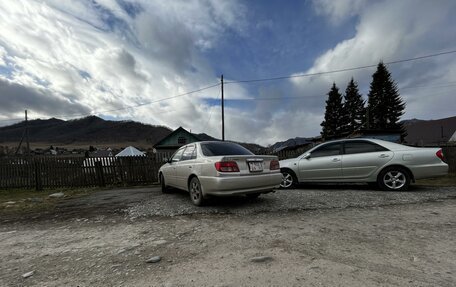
(385, 105)
(332, 127)
(354, 113)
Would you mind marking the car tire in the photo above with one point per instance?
(394, 179)
(164, 187)
(195, 191)
(253, 195)
(289, 179)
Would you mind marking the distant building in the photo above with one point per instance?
(101, 153)
(130, 151)
(453, 138)
(430, 133)
(179, 137)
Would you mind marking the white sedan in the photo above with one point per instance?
(219, 169)
(392, 166)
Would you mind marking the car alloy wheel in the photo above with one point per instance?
(287, 179)
(196, 194)
(394, 179)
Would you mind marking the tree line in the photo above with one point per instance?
(349, 114)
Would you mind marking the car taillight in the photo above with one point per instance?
(439, 154)
(274, 164)
(226, 166)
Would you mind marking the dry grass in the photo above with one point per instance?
(448, 180)
(17, 201)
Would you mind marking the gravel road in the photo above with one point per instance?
(315, 236)
(306, 198)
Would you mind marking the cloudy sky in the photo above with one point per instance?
(134, 59)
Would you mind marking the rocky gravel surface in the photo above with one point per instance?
(312, 236)
(395, 245)
(305, 198)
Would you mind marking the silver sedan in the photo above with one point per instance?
(220, 169)
(392, 166)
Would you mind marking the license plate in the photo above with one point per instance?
(255, 166)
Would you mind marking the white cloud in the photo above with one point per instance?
(339, 10)
(2, 56)
(80, 57)
(99, 56)
(387, 31)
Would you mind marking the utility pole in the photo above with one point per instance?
(223, 113)
(26, 134)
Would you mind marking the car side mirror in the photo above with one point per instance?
(166, 160)
(307, 155)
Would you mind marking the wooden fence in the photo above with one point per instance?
(67, 172)
(56, 172)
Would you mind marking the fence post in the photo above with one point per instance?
(99, 172)
(38, 182)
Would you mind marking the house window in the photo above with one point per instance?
(181, 140)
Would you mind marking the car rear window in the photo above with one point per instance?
(223, 148)
(355, 147)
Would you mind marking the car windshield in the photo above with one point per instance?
(223, 148)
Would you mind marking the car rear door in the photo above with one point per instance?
(362, 158)
(324, 163)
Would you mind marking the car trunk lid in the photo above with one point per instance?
(252, 164)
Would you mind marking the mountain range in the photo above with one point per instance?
(92, 130)
(80, 132)
(96, 131)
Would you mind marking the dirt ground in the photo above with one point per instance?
(406, 244)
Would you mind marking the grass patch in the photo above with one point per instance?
(448, 180)
(18, 201)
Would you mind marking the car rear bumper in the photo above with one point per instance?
(236, 185)
(428, 171)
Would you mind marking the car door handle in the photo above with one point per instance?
(383, 156)
(189, 166)
(336, 159)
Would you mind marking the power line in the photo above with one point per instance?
(125, 107)
(319, 96)
(451, 84)
(340, 70)
(210, 115)
(140, 105)
(251, 81)
(440, 85)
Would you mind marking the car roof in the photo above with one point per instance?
(200, 142)
(209, 142)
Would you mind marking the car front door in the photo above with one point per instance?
(323, 163)
(169, 171)
(363, 158)
(185, 166)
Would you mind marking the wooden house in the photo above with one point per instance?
(179, 137)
